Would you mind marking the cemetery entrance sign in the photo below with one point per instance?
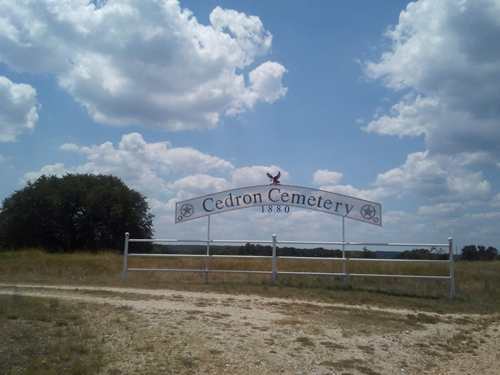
(277, 194)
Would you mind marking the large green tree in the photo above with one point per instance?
(76, 211)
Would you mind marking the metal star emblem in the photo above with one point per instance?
(187, 210)
(368, 211)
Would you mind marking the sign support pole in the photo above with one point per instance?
(208, 249)
(125, 256)
(273, 264)
(344, 258)
(451, 269)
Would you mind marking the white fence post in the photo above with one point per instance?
(274, 270)
(125, 256)
(208, 250)
(452, 268)
(344, 258)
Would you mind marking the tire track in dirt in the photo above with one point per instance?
(215, 332)
(233, 297)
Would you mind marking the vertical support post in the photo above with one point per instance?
(344, 258)
(208, 249)
(274, 270)
(451, 264)
(125, 256)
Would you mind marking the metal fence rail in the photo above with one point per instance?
(274, 258)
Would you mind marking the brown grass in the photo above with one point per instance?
(477, 282)
(45, 336)
(354, 364)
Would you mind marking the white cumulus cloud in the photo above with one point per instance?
(57, 169)
(442, 209)
(18, 109)
(496, 201)
(443, 58)
(446, 54)
(434, 177)
(163, 173)
(326, 177)
(144, 62)
(257, 175)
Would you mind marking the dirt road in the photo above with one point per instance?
(162, 331)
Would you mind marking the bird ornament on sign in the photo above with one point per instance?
(275, 180)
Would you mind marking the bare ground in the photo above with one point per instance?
(144, 331)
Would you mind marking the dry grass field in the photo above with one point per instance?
(72, 314)
(476, 282)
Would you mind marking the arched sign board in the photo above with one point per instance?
(277, 194)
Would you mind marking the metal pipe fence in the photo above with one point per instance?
(274, 272)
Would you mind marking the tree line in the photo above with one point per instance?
(469, 253)
(473, 252)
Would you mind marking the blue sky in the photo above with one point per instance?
(396, 102)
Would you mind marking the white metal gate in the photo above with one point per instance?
(273, 270)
